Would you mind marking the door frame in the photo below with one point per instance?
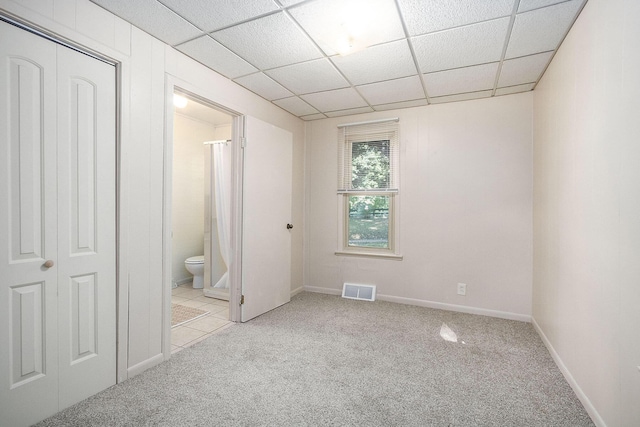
(204, 96)
(121, 70)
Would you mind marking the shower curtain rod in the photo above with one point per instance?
(219, 141)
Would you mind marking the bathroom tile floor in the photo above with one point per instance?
(199, 329)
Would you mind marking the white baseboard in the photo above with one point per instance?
(296, 291)
(458, 308)
(319, 290)
(433, 304)
(591, 410)
(183, 281)
(143, 366)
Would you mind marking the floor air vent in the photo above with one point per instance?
(361, 292)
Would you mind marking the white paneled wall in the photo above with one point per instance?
(144, 64)
(465, 203)
(586, 285)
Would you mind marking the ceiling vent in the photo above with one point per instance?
(359, 292)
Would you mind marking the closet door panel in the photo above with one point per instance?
(28, 228)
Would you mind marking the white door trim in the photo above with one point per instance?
(173, 84)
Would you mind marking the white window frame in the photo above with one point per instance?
(344, 192)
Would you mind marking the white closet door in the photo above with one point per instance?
(57, 227)
(266, 246)
(28, 228)
(86, 225)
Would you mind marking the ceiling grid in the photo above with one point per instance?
(405, 53)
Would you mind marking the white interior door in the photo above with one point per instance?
(57, 227)
(266, 240)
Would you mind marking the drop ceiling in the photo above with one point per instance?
(405, 53)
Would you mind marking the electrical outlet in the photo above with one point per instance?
(462, 289)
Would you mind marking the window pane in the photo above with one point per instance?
(370, 165)
(369, 221)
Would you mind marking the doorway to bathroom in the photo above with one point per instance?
(202, 157)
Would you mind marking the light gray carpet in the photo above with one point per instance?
(324, 360)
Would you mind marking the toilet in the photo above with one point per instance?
(195, 266)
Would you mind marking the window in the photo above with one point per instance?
(368, 187)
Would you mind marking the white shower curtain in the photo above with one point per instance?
(222, 188)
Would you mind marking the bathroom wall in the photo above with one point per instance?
(188, 222)
(586, 283)
(465, 208)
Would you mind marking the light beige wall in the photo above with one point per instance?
(144, 64)
(586, 290)
(465, 208)
(187, 219)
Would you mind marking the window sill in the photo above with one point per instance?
(389, 256)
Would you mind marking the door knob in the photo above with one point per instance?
(48, 263)
(289, 226)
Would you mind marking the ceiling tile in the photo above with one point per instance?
(523, 70)
(398, 105)
(330, 21)
(515, 89)
(365, 67)
(526, 5)
(287, 3)
(154, 18)
(314, 117)
(341, 99)
(541, 30)
(461, 97)
(461, 80)
(264, 86)
(473, 44)
(405, 89)
(296, 106)
(212, 54)
(269, 42)
(307, 77)
(211, 15)
(350, 112)
(426, 16)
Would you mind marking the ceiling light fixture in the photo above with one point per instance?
(179, 101)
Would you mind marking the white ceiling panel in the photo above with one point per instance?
(541, 30)
(405, 89)
(461, 97)
(264, 86)
(306, 77)
(154, 18)
(461, 80)
(398, 105)
(460, 47)
(314, 117)
(334, 100)
(526, 5)
(427, 16)
(514, 89)
(350, 112)
(523, 70)
(364, 67)
(286, 51)
(211, 15)
(296, 106)
(214, 55)
(368, 21)
(269, 42)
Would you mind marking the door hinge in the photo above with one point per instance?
(243, 142)
(242, 300)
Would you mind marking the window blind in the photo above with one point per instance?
(368, 157)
